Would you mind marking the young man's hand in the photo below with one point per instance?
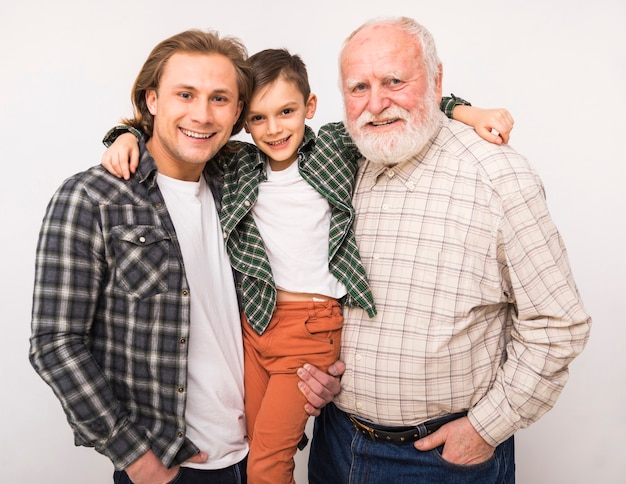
(149, 469)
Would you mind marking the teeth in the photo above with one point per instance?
(279, 142)
(382, 123)
(193, 134)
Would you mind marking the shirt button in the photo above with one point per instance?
(375, 257)
(181, 389)
(181, 434)
(158, 205)
(185, 292)
(182, 341)
(390, 173)
(142, 240)
(358, 357)
(359, 405)
(246, 203)
(385, 207)
(410, 185)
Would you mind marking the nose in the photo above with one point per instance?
(273, 125)
(202, 111)
(378, 100)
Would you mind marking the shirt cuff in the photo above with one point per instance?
(448, 103)
(125, 446)
(116, 131)
(494, 421)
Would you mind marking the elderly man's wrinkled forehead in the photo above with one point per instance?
(378, 43)
(383, 43)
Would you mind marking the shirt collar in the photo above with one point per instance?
(147, 169)
(308, 141)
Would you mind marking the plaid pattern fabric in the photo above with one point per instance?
(448, 103)
(477, 305)
(244, 171)
(110, 319)
(329, 166)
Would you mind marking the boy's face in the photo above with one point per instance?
(276, 121)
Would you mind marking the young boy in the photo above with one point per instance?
(287, 223)
(293, 249)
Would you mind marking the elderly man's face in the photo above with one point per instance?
(391, 106)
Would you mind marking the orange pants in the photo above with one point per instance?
(299, 332)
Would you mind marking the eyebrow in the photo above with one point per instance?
(222, 90)
(350, 83)
(280, 108)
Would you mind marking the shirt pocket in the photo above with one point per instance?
(142, 255)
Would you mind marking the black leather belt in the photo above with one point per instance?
(402, 435)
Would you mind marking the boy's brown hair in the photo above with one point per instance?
(270, 64)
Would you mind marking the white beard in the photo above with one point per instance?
(400, 145)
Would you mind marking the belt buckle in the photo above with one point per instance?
(370, 431)
(364, 427)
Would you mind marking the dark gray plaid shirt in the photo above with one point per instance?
(110, 318)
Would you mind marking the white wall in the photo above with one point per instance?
(559, 66)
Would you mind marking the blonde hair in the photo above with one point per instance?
(190, 41)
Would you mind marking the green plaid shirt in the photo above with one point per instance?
(244, 172)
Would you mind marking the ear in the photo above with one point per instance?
(245, 127)
(311, 106)
(238, 113)
(439, 82)
(151, 101)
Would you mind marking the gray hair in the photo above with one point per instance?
(422, 37)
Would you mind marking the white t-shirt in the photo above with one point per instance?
(294, 220)
(214, 413)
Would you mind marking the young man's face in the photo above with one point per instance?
(276, 121)
(194, 108)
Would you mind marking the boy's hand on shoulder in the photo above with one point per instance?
(122, 157)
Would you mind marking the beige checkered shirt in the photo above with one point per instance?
(477, 306)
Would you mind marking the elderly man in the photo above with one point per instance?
(478, 312)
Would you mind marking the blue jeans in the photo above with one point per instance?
(235, 474)
(340, 455)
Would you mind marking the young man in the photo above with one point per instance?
(135, 317)
(478, 312)
(278, 218)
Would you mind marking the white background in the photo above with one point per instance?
(67, 68)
